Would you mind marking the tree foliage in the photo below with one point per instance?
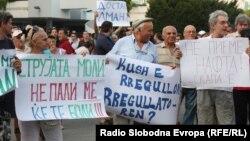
(3, 4)
(180, 13)
(247, 12)
(130, 4)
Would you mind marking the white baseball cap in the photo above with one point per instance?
(17, 32)
(202, 32)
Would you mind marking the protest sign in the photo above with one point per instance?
(60, 87)
(8, 75)
(113, 11)
(216, 62)
(142, 91)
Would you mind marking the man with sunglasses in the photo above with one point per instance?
(7, 108)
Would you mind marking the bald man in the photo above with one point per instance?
(168, 52)
(190, 94)
(189, 32)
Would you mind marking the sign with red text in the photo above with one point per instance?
(60, 87)
(141, 91)
(216, 62)
(8, 75)
(113, 11)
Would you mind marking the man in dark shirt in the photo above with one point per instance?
(104, 43)
(7, 108)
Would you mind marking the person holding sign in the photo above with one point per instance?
(7, 108)
(242, 22)
(168, 51)
(241, 94)
(104, 43)
(136, 46)
(215, 105)
(51, 129)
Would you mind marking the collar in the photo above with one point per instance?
(144, 49)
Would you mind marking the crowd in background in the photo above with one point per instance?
(202, 105)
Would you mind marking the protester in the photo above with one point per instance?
(7, 107)
(168, 52)
(52, 46)
(202, 34)
(215, 105)
(242, 21)
(157, 38)
(136, 46)
(188, 92)
(51, 129)
(104, 42)
(64, 43)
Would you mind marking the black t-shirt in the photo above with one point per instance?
(103, 44)
(7, 101)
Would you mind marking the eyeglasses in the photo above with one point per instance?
(191, 31)
(222, 22)
(34, 30)
(169, 33)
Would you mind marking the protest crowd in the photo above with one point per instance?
(203, 105)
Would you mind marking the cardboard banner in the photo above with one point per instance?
(141, 91)
(60, 87)
(113, 11)
(8, 75)
(216, 62)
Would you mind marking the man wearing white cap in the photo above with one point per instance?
(201, 33)
(18, 41)
(136, 46)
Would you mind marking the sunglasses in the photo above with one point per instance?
(34, 30)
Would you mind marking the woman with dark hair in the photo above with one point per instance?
(7, 107)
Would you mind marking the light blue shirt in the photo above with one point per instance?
(127, 47)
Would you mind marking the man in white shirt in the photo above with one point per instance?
(215, 105)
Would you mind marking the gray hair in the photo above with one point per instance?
(139, 27)
(169, 26)
(242, 18)
(213, 16)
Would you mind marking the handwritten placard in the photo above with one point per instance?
(141, 91)
(60, 87)
(8, 75)
(113, 11)
(214, 62)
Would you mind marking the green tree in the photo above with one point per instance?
(247, 12)
(180, 13)
(3, 4)
(130, 4)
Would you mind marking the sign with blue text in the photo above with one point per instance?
(113, 11)
(141, 91)
(60, 87)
